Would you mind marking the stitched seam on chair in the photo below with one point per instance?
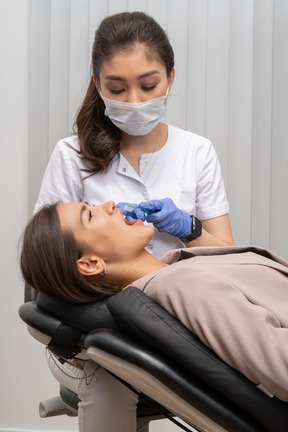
(223, 364)
(183, 336)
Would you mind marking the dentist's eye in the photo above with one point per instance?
(149, 88)
(116, 91)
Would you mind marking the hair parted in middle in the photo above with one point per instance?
(99, 137)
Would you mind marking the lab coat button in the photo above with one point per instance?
(124, 169)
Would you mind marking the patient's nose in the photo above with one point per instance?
(110, 207)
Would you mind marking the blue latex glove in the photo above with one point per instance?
(167, 217)
(137, 213)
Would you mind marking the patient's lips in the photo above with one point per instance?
(137, 222)
(131, 223)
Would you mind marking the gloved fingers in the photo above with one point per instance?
(139, 214)
(160, 225)
(121, 206)
(133, 215)
(155, 218)
(170, 219)
(152, 205)
(161, 209)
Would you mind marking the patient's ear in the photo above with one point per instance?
(90, 266)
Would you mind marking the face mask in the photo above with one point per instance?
(135, 118)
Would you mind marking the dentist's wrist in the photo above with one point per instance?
(196, 230)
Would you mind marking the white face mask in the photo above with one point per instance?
(135, 118)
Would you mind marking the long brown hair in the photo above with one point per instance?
(49, 261)
(99, 137)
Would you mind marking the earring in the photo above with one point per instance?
(104, 272)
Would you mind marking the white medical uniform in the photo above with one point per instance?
(186, 169)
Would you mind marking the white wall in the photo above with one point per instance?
(24, 377)
(231, 85)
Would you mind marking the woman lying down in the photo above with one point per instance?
(235, 299)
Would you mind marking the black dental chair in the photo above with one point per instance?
(62, 327)
(148, 349)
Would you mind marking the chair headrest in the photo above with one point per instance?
(81, 316)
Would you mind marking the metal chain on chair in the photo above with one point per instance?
(85, 376)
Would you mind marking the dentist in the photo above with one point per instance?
(121, 150)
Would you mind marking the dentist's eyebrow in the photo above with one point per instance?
(119, 78)
(114, 78)
(82, 211)
(147, 74)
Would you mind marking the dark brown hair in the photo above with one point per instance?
(49, 261)
(99, 137)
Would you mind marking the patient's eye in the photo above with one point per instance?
(90, 214)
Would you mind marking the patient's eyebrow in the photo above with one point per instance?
(82, 210)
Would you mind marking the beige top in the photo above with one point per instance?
(235, 299)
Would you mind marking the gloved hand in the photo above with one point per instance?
(167, 217)
(131, 216)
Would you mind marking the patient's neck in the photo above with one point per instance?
(142, 265)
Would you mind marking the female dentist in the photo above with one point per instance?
(122, 151)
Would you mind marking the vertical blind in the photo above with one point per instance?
(231, 86)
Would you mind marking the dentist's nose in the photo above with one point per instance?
(133, 97)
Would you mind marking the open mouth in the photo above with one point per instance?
(132, 223)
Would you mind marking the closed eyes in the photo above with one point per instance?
(144, 88)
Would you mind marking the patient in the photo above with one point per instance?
(235, 299)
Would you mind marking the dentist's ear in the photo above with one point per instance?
(90, 266)
(171, 78)
(97, 85)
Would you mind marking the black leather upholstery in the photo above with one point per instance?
(67, 324)
(174, 376)
(84, 317)
(137, 314)
(135, 328)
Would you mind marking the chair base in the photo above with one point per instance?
(55, 407)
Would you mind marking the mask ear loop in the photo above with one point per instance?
(166, 95)
(168, 89)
